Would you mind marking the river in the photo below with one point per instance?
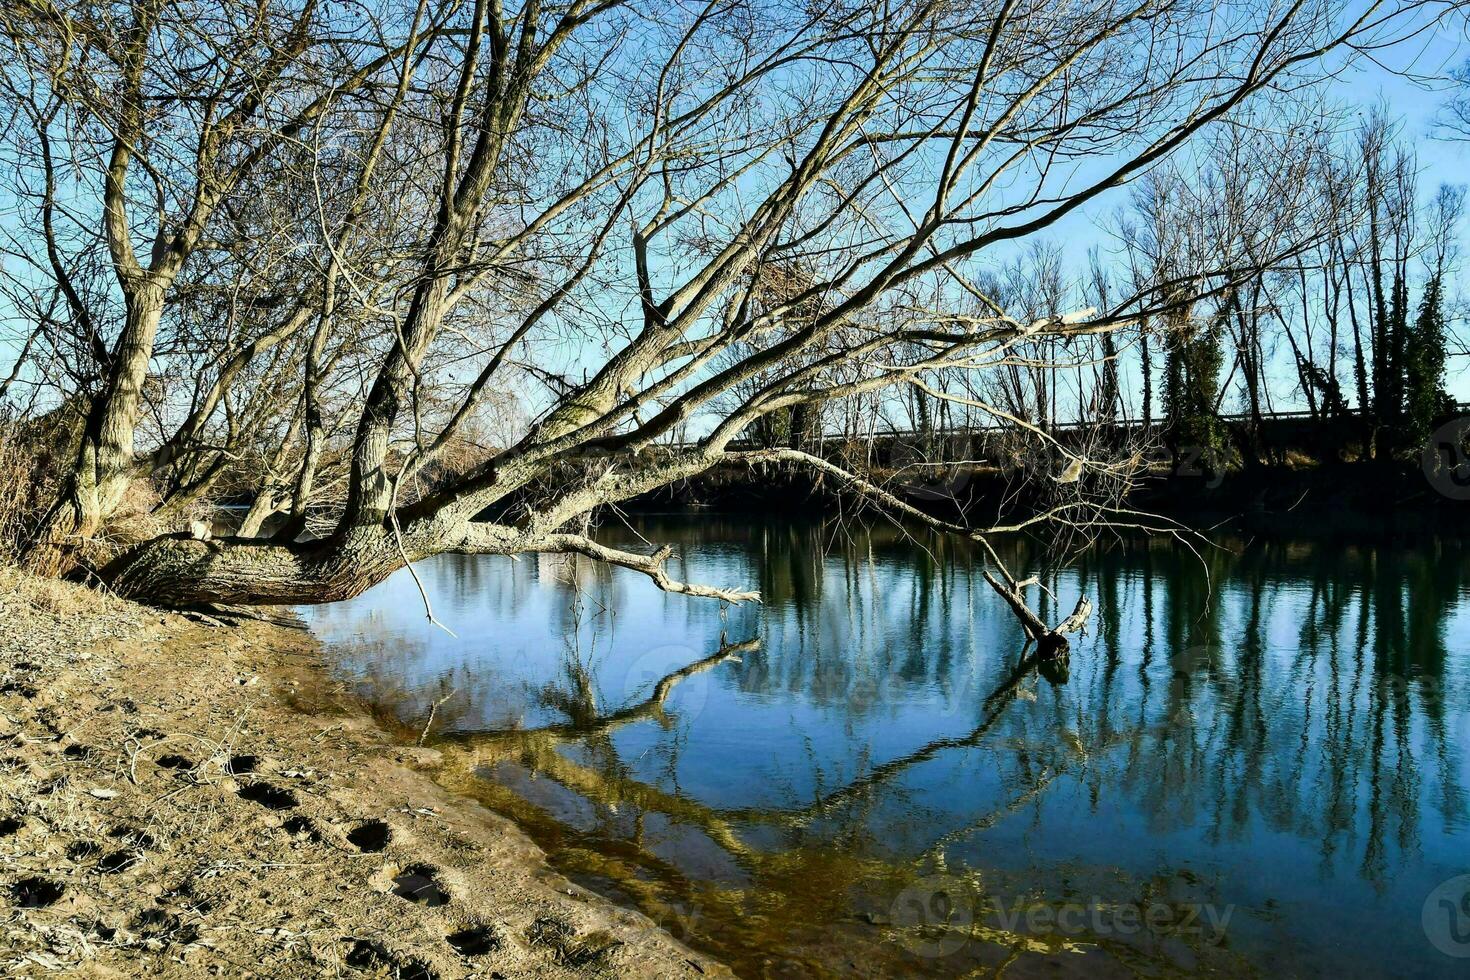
(1254, 762)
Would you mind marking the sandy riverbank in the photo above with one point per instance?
(180, 799)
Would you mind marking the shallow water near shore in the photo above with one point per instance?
(1255, 761)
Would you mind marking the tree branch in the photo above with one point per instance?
(650, 565)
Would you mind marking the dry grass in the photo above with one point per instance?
(27, 481)
(55, 597)
(1297, 460)
(33, 455)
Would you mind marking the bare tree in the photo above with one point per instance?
(667, 219)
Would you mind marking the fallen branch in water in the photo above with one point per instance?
(1050, 641)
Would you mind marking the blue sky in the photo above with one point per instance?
(1403, 84)
(1411, 85)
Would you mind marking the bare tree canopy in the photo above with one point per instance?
(458, 274)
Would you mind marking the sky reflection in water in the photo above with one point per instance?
(1279, 733)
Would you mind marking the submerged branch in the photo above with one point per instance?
(1050, 641)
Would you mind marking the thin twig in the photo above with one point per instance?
(433, 709)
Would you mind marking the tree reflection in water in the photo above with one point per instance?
(1279, 727)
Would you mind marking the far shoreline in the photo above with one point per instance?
(1367, 501)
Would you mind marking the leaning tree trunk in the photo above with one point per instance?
(179, 570)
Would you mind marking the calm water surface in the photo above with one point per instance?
(1254, 763)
